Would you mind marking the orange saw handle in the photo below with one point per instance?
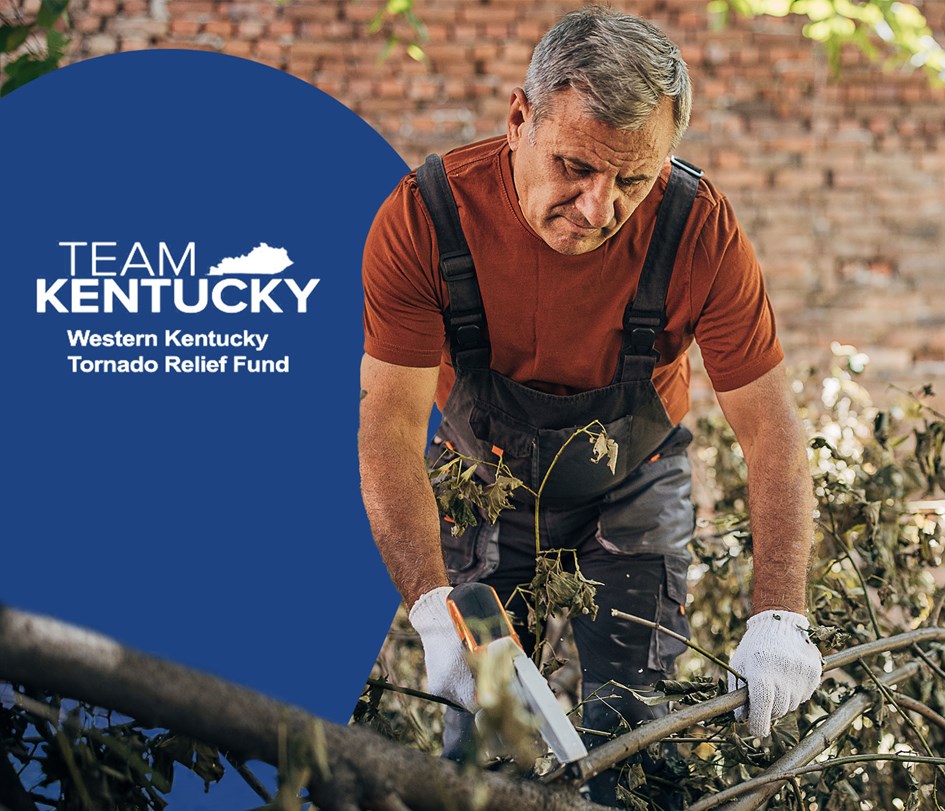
(479, 616)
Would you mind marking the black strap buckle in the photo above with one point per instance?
(457, 266)
(642, 339)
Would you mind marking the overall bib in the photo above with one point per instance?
(630, 527)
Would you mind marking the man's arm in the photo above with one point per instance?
(780, 495)
(395, 412)
(777, 659)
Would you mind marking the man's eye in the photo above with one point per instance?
(627, 182)
(575, 171)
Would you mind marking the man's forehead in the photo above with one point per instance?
(571, 131)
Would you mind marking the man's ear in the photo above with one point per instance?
(519, 118)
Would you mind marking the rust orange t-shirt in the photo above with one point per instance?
(554, 320)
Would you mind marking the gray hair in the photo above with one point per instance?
(622, 66)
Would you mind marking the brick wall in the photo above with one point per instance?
(840, 183)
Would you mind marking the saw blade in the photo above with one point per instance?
(556, 728)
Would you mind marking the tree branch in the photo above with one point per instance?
(919, 708)
(612, 752)
(756, 782)
(814, 744)
(349, 766)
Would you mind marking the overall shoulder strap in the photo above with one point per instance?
(465, 318)
(645, 316)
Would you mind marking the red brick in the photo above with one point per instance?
(237, 48)
(87, 25)
(222, 28)
(488, 14)
(185, 28)
(101, 8)
(251, 29)
(133, 44)
(269, 51)
(281, 28)
(302, 69)
(362, 11)
(313, 50)
(177, 8)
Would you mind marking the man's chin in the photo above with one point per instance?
(574, 244)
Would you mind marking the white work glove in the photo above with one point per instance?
(448, 675)
(782, 666)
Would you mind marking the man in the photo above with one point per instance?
(596, 261)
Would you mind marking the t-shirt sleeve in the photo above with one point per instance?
(734, 321)
(403, 297)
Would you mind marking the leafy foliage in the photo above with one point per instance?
(33, 45)
(876, 553)
(892, 29)
(388, 21)
(70, 755)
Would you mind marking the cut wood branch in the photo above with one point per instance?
(349, 767)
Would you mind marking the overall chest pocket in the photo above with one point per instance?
(569, 456)
(530, 452)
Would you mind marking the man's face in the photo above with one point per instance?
(578, 180)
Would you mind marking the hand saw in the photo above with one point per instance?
(483, 624)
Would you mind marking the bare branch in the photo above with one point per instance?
(851, 760)
(608, 754)
(814, 744)
(921, 709)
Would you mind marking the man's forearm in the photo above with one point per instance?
(781, 508)
(403, 514)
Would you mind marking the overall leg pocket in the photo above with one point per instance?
(472, 555)
(652, 511)
(671, 614)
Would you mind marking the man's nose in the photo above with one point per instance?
(596, 202)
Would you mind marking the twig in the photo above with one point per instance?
(848, 551)
(757, 782)
(12, 794)
(596, 732)
(924, 710)
(914, 397)
(928, 660)
(937, 608)
(409, 691)
(544, 480)
(891, 698)
(251, 780)
(687, 642)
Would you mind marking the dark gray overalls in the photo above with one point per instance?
(630, 528)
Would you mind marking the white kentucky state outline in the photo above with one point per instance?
(263, 260)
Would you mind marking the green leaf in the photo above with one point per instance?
(12, 37)
(24, 70)
(56, 45)
(207, 764)
(50, 11)
(497, 496)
